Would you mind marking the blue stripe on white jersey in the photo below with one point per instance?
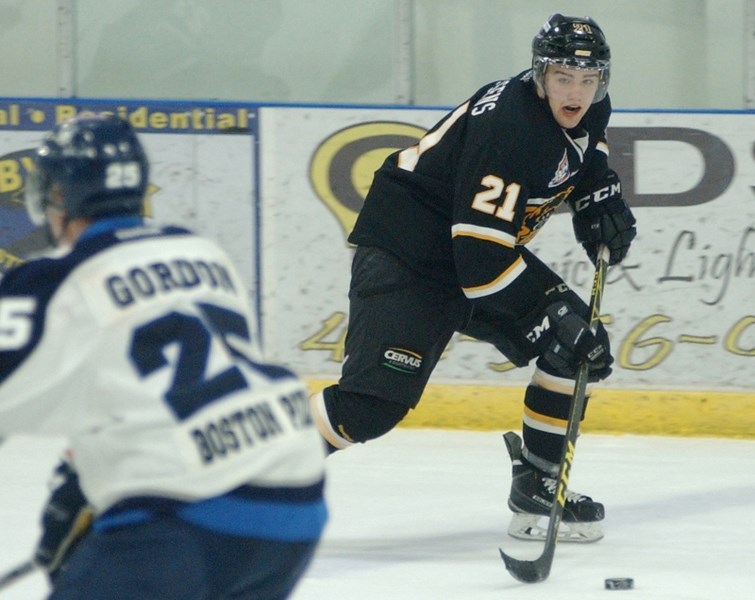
(139, 344)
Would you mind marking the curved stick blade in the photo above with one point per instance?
(528, 571)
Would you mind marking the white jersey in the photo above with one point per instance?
(138, 345)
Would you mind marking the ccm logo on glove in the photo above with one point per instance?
(613, 189)
(559, 310)
(604, 218)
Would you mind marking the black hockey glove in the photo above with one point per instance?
(563, 339)
(604, 217)
(66, 519)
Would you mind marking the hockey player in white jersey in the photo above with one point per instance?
(200, 462)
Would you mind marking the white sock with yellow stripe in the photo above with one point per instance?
(338, 440)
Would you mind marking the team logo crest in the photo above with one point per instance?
(537, 212)
(562, 172)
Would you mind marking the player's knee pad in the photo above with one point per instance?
(549, 403)
(346, 418)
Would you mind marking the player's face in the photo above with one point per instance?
(570, 93)
(55, 217)
(56, 224)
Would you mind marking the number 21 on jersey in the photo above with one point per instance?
(497, 199)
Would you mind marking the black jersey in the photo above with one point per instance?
(460, 205)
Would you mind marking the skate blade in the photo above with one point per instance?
(525, 526)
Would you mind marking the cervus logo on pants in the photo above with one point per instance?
(403, 360)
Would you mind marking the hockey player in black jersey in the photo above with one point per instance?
(442, 248)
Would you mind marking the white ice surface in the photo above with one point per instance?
(420, 515)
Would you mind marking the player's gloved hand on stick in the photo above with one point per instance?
(564, 340)
(604, 217)
(66, 519)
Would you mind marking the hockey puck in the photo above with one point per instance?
(619, 583)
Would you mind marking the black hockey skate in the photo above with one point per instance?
(531, 499)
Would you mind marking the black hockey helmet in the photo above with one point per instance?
(575, 42)
(96, 163)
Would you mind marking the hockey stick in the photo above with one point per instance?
(534, 571)
(17, 573)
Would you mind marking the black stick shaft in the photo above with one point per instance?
(533, 571)
(16, 573)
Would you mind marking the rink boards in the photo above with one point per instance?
(611, 411)
(280, 187)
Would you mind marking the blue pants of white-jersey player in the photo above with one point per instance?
(213, 566)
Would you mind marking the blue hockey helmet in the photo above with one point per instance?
(91, 166)
(574, 42)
